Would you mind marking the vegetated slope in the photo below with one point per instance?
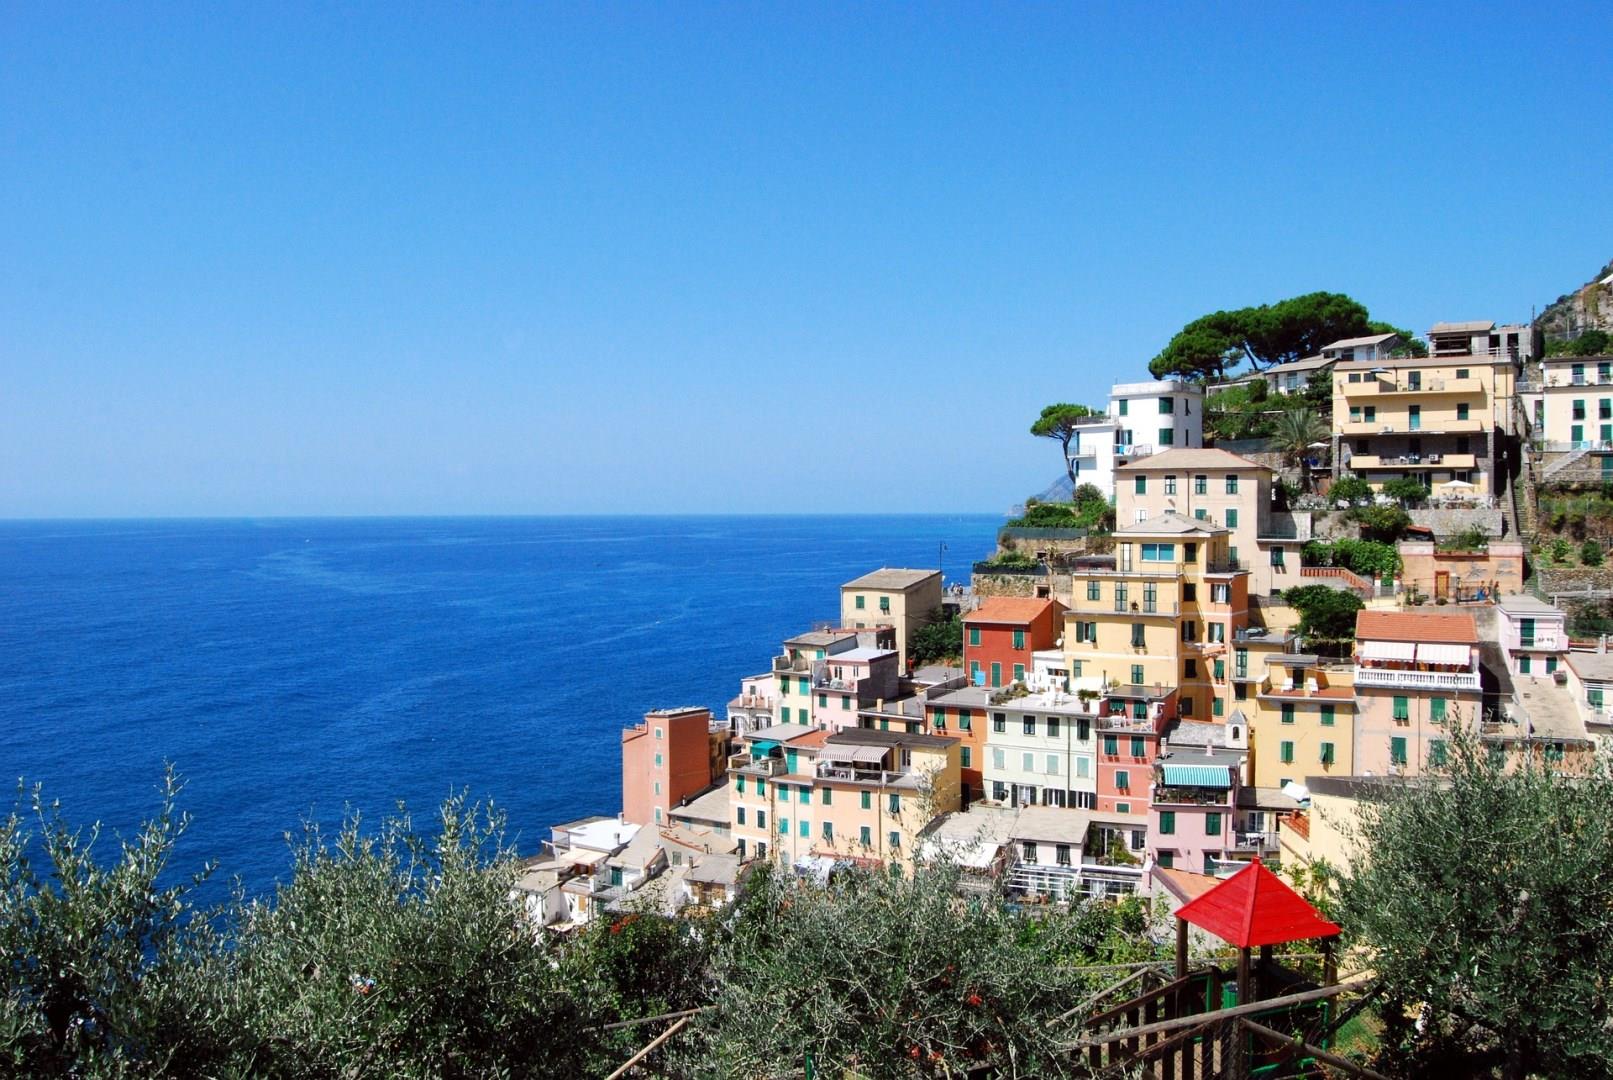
(1589, 307)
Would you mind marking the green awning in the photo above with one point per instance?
(763, 747)
(1216, 776)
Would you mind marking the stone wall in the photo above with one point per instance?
(1573, 579)
(1448, 523)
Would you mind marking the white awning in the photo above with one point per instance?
(854, 753)
(1388, 650)
(1438, 653)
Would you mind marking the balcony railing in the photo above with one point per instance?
(791, 663)
(1417, 680)
(1256, 841)
(760, 766)
(1191, 796)
(855, 774)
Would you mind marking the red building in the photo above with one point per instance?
(1130, 722)
(1000, 635)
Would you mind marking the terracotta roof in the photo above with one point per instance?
(1184, 884)
(1253, 907)
(1185, 458)
(815, 738)
(1009, 609)
(1456, 627)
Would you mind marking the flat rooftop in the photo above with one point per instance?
(895, 579)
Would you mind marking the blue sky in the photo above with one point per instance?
(506, 259)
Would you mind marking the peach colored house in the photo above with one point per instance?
(1460, 575)
(1416, 674)
(674, 754)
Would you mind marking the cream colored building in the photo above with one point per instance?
(1224, 490)
(904, 599)
(1571, 407)
(1162, 615)
(1439, 420)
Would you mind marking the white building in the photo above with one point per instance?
(1040, 751)
(1143, 418)
(1533, 633)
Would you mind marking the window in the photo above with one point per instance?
(1436, 710)
(1167, 859)
(1212, 824)
(1201, 484)
(1397, 751)
(1232, 518)
(1287, 751)
(998, 759)
(1371, 412)
(1159, 553)
(1191, 668)
(1402, 709)
(761, 786)
(1217, 632)
(1327, 753)
(1288, 712)
(784, 827)
(1136, 674)
(1019, 639)
(761, 819)
(1604, 409)
(999, 722)
(1461, 410)
(974, 635)
(1277, 558)
(1052, 765)
(823, 701)
(1083, 729)
(1327, 715)
(1027, 762)
(657, 761)
(1167, 822)
(1579, 408)
(1355, 412)
(1170, 485)
(1138, 635)
(1218, 707)
(867, 800)
(895, 840)
(1111, 745)
(784, 711)
(1139, 485)
(828, 832)
(996, 673)
(1220, 668)
(805, 796)
(866, 836)
(1029, 725)
(965, 759)
(1094, 591)
(659, 733)
(806, 686)
(739, 785)
(845, 702)
(938, 719)
(1122, 594)
(1063, 855)
(861, 603)
(1019, 672)
(1122, 808)
(1232, 483)
(894, 804)
(1123, 779)
(885, 604)
(828, 796)
(965, 720)
(739, 815)
(1436, 752)
(1052, 727)
(1124, 404)
(1138, 746)
(1167, 405)
(1190, 593)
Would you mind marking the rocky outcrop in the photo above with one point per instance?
(1589, 307)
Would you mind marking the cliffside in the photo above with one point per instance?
(1589, 307)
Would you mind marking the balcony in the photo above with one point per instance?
(1191, 796)
(1362, 462)
(1255, 841)
(1543, 642)
(1399, 679)
(785, 664)
(755, 766)
(1382, 387)
(1400, 425)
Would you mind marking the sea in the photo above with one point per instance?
(301, 670)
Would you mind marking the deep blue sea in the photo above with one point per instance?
(292, 669)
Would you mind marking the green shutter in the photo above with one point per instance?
(1402, 709)
(1287, 752)
(1212, 824)
(1167, 822)
(1436, 710)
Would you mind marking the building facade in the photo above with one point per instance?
(1416, 675)
(1041, 750)
(1000, 635)
(673, 755)
(899, 598)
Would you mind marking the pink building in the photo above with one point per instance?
(1193, 809)
(1128, 730)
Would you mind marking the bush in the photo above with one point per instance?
(1591, 553)
(1371, 559)
(1325, 613)
(939, 639)
(1349, 489)
(1406, 491)
(1385, 524)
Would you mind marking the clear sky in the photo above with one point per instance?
(268, 259)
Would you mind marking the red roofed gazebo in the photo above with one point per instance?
(1252, 908)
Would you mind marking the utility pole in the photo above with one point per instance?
(940, 560)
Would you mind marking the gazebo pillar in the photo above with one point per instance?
(1330, 964)
(1243, 976)
(1181, 947)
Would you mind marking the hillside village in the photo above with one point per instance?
(1240, 635)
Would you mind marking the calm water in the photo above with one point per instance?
(291, 668)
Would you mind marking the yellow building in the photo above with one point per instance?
(1162, 615)
(1438, 420)
(1303, 720)
(1223, 489)
(903, 599)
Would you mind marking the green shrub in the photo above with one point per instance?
(1591, 553)
(1349, 489)
(1406, 491)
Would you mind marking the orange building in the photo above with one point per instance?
(1001, 634)
(674, 754)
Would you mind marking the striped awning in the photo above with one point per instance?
(1388, 650)
(844, 752)
(1216, 776)
(1443, 653)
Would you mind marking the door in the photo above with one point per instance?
(1442, 584)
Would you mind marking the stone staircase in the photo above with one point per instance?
(1557, 468)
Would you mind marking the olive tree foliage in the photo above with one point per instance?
(1485, 897)
(389, 952)
(880, 975)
